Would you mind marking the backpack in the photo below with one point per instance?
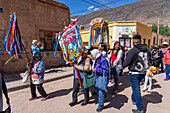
(141, 62)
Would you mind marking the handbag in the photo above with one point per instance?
(26, 77)
(101, 82)
(88, 80)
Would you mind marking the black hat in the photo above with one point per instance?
(37, 55)
(136, 36)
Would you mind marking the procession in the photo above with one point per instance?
(97, 65)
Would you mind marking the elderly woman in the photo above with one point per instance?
(85, 62)
(36, 47)
(100, 65)
(166, 62)
(157, 56)
(37, 77)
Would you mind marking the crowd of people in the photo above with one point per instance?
(104, 66)
(142, 63)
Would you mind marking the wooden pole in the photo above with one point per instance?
(78, 75)
(27, 55)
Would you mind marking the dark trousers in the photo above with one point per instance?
(135, 80)
(162, 66)
(40, 90)
(76, 86)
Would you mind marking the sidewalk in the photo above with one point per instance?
(51, 74)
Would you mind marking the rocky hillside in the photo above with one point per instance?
(144, 11)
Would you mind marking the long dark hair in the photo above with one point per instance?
(104, 45)
(115, 48)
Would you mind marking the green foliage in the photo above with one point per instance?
(154, 28)
(163, 30)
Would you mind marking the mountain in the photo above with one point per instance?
(144, 11)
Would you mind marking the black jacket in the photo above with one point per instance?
(132, 55)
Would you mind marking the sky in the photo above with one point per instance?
(82, 7)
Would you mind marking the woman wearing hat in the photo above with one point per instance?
(157, 56)
(85, 62)
(165, 47)
(37, 77)
(166, 62)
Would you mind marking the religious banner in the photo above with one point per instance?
(71, 43)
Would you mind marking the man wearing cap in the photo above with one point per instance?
(136, 71)
(85, 62)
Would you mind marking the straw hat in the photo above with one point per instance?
(165, 43)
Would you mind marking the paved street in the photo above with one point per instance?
(60, 92)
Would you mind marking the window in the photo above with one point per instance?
(47, 38)
(144, 41)
(149, 43)
(161, 41)
(125, 42)
(153, 40)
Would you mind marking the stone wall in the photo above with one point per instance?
(33, 16)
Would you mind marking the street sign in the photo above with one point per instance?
(1, 9)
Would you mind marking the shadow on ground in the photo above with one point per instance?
(153, 97)
(60, 93)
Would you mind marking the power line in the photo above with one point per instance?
(95, 5)
(99, 3)
(90, 3)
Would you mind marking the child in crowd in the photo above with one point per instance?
(36, 47)
(148, 76)
(37, 77)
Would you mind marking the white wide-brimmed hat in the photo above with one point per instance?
(165, 43)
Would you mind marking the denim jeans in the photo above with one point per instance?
(135, 80)
(115, 74)
(1, 99)
(101, 96)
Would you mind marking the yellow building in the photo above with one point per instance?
(123, 31)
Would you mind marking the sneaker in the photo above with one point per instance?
(32, 98)
(137, 111)
(166, 79)
(144, 89)
(72, 103)
(44, 98)
(149, 89)
(84, 103)
(99, 109)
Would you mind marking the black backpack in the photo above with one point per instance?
(141, 62)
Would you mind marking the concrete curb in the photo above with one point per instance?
(18, 87)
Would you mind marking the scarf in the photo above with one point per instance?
(96, 54)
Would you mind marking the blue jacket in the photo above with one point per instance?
(100, 65)
(40, 69)
(35, 50)
(159, 54)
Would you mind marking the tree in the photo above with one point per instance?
(163, 30)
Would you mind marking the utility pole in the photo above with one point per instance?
(158, 32)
